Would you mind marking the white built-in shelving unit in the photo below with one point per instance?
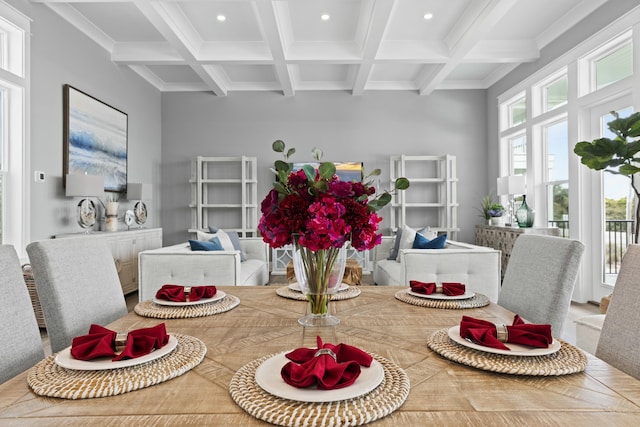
(431, 199)
(224, 193)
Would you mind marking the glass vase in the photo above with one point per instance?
(524, 214)
(319, 275)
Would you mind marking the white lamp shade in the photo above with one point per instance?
(138, 191)
(512, 184)
(82, 185)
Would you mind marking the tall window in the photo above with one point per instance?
(518, 154)
(556, 149)
(14, 83)
(569, 101)
(618, 199)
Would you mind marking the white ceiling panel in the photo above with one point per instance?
(286, 46)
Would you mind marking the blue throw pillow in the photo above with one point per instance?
(235, 240)
(199, 245)
(421, 242)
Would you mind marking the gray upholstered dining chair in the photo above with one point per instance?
(19, 334)
(78, 285)
(619, 344)
(540, 278)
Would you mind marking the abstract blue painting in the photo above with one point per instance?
(95, 139)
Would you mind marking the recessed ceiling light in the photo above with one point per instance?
(221, 18)
(325, 16)
(428, 16)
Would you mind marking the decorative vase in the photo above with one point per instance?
(524, 214)
(111, 216)
(319, 275)
(496, 220)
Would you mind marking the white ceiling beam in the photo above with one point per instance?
(422, 51)
(170, 21)
(503, 51)
(477, 20)
(149, 76)
(151, 53)
(268, 18)
(377, 26)
(248, 51)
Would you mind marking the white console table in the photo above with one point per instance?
(502, 238)
(125, 246)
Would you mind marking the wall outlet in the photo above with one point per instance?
(39, 176)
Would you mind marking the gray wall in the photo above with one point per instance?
(61, 54)
(367, 128)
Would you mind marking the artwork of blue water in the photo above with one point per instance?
(97, 141)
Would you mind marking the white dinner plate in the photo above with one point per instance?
(268, 377)
(66, 360)
(217, 297)
(295, 287)
(516, 349)
(466, 295)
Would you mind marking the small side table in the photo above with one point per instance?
(352, 273)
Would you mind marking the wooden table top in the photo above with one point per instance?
(442, 392)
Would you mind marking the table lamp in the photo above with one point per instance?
(510, 186)
(83, 185)
(138, 191)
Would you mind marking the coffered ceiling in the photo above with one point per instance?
(222, 46)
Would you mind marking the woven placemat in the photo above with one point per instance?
(285, 292)
(382, 401)
(48, 379)
(151, 309)
(478, 300)
(567, 360)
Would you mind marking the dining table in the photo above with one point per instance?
(441, 391)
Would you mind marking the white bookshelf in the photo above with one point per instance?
(431, 199)
(224, 193)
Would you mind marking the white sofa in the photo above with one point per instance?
(478, 267)
(179, 265)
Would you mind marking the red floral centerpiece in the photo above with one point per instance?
(319, 214)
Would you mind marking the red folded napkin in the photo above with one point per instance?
(101, 342)
(329, 366)
(451, 289)
(485, 333)
(177, 292)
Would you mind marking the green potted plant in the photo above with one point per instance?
(618, 155)
(485, 206)
(495, 211)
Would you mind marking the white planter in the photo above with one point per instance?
(496, 220)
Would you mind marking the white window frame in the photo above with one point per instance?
(587, 64)
(580, 98)
(539, 93)
(15, 84)
(506, 111)
(544, 161)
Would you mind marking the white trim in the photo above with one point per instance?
(15, 81)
